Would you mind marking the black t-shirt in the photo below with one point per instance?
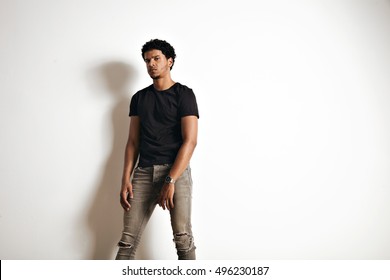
(160, 114)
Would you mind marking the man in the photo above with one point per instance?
(162, 136)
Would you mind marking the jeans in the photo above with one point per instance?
(147, 184)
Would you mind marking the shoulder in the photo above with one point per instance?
(187, 100)
(183, 91)
(144, 90)
(141, 93)
(180, 88)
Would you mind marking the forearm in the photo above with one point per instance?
(182, 159)
(131, 151)
(131, 156)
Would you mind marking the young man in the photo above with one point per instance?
(162, 136)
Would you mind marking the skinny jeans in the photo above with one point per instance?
(147, 184)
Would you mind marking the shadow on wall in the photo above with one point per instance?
(105, 215)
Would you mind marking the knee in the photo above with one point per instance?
(126, 247)
(184, 243)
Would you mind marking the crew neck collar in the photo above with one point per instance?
(172, 86)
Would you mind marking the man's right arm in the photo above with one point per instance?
(131, 156)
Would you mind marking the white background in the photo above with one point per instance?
(293, 156)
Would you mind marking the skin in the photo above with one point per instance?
(158, 67)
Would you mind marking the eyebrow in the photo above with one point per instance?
(146, 59)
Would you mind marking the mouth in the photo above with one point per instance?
(153, 73)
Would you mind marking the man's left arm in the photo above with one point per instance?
(189, 128)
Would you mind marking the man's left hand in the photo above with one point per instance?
(166, 196)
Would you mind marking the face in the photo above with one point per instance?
(157, 64)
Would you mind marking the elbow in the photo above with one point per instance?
(132, 145)
(191, 143)
(132, 142)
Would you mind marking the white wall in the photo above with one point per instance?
(293, 157)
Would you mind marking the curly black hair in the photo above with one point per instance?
(161, 45)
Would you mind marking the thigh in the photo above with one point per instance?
(181, 213)
(143, 201)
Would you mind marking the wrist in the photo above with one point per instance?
(169, 180)
(125, 180)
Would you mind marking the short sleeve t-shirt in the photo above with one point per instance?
(160, 114)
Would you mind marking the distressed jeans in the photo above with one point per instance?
(147, 184)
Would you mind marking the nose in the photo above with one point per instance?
(151, 63)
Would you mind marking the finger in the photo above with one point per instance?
(164, 203)
(162, 198)
(125, 206)
(131, 193)
(171, 202)
(125, 203)
(160, 201)
(167, 204)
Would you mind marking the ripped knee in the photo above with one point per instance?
(127, 240)
(184, 242)
(126, 247)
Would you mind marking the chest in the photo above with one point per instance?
(158, 107)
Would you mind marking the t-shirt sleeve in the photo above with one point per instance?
(133, 110)
(188, 104)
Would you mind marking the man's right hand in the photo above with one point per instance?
(126, 193)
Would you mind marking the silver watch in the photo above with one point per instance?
(169, 180)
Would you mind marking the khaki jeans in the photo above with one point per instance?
(147, 183)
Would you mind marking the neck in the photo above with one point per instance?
(163, 83)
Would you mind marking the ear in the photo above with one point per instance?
(170, 61)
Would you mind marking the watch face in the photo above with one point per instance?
(168, 179)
